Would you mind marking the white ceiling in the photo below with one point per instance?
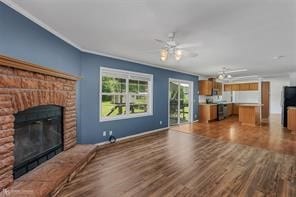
(233, 33)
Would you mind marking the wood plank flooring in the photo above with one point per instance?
(172, 163)
(269, 135)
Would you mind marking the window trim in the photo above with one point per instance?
(128, 75)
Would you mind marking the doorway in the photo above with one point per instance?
(180, 101)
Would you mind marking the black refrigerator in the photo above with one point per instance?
(288, 99)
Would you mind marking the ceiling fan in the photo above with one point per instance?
(172, 48)
(226, 73)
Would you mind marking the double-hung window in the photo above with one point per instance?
(124, 94)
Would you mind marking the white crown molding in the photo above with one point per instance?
(39, 22)
(138, 62)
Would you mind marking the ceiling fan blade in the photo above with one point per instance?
(249, 76)
(190, 54)
(235, 71)
(186, 46)
(245, 77)
(193, 54)
(160, 41)
(153, 51)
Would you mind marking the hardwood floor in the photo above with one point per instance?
(270, 135)
(172, 163)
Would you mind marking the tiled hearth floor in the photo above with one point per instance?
(48, 178)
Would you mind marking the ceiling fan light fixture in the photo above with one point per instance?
(164, 54)
(178, 54)
(163, 59)
(225, 74)
(221, 76)
(172, 49)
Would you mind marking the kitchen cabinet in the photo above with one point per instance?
(244, 86)
(253, 86)
(249, 114)
(235, 87)
(229, 109)
(215, 84)
(213, 113)
(227, 87)
(241, 87)
(292, 119)
(235, 108)
(207, 112)
(219, 85)
(205, 87)
(265, 99)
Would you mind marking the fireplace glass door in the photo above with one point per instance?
(38, 137)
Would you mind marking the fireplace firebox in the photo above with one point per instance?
(38, 137)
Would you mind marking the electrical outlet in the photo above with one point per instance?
(160, 122)
(104, 133)
(110, 132)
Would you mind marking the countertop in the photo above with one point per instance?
(207, 103)
(251, 105)
(292, 107)
(229, 103)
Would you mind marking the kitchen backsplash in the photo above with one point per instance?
(235, 96)
(203, 99)
(246, 97)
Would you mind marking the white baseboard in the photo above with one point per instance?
(133, 136)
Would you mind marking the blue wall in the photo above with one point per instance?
(22, 39)
(90, 125)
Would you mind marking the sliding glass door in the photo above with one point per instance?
(180, 101)
(184, 102)
(174, 103)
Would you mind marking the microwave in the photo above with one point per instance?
(215, 92)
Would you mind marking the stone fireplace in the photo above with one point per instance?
(37, 116)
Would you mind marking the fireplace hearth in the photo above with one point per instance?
(38, 137)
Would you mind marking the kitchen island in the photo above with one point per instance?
(249, 114)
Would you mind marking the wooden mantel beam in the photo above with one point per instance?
(19, 64)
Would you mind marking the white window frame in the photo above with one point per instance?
(126, 75)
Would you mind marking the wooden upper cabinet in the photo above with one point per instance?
(205, 87)
(253, 86)
(219, 87)
(227, 87)
(241, 87)
(244, 87)
(235, 87)
(213, 84)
